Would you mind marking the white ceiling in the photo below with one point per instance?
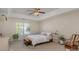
(24, 12)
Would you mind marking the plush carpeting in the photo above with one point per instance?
(20, 46)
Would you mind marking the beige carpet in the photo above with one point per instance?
(19, 46)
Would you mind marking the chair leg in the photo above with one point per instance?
(74, 48)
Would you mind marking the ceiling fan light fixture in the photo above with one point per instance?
(36, 13)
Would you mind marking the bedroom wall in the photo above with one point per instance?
(65, 24)
(9, 27)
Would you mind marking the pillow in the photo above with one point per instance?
(46, 33)
(49, 34)
(43, 33)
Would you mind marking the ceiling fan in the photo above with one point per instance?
(36, 11)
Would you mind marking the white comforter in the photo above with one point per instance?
(38, 39)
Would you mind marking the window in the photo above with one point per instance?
(22, 28)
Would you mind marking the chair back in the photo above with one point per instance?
(76, 42)
(74, 39)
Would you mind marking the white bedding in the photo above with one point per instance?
(38, 39)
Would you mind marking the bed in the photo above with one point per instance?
(38, 39)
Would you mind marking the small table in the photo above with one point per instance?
(27, 42)
(4, 43)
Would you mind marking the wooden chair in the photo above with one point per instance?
(72, 44)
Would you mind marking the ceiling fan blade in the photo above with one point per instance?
(30, 13)
(42, 12)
